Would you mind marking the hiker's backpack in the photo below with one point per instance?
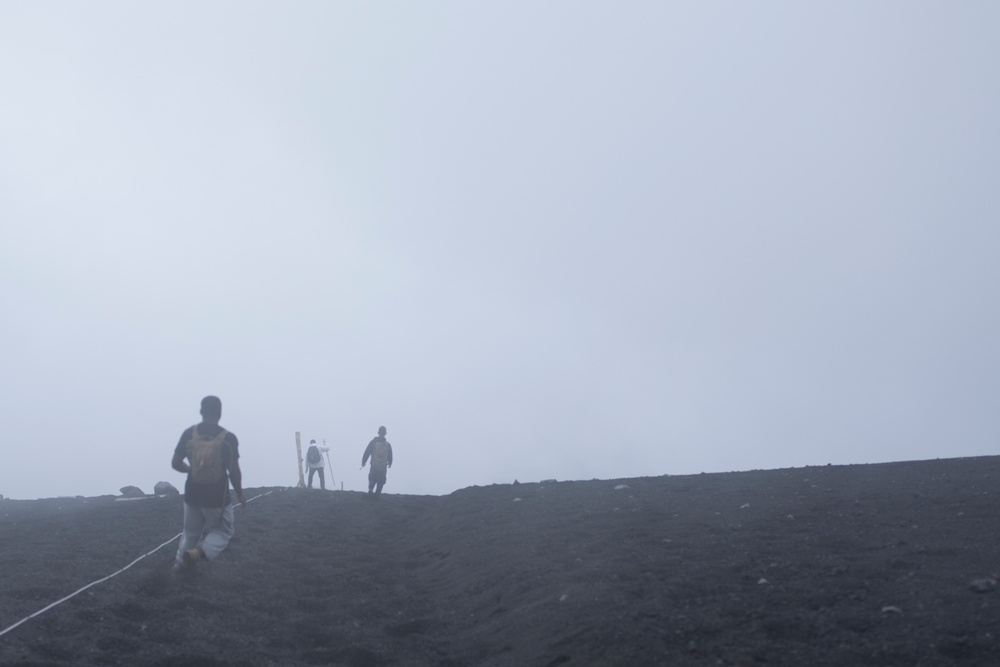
(206, 457)
(312, 454)
(380, 453)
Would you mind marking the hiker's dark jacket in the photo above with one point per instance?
(216, 494)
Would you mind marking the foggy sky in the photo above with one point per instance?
(534, 240)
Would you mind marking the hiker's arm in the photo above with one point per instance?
(179, 464)
(235, 474)
(368, 451)
(180, 453)
(236, 477)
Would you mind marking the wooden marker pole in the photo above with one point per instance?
(298, 449)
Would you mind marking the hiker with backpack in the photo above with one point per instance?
(212, 462)
(380, 452)
(314, 461)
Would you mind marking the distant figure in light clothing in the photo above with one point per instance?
(314, 461)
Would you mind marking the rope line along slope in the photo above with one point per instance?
(103, 579)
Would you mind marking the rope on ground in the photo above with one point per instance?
(100, 581)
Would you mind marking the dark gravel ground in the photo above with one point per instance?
(887, 564)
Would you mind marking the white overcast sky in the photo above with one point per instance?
(535, 240)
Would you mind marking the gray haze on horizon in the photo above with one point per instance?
(535, 240)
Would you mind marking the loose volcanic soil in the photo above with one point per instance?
(885, 564)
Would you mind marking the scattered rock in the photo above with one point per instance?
(132, 492)
(517, 500)
(165, 489)
(620, 487)
(985, 585)
(892, 609)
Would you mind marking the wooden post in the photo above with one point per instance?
(298, 449)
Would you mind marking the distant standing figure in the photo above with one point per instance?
(212, 455)
(314, 461)
(380, 452)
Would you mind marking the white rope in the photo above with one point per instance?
(100, 581)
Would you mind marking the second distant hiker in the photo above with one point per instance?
(380, 452)
(314, 461)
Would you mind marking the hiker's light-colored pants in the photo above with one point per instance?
(208, 528)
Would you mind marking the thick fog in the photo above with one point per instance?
(534, 240)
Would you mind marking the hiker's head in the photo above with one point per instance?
(211, 409)
(312, 442)
(381, 430)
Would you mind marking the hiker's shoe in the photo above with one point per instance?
(192, 556)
